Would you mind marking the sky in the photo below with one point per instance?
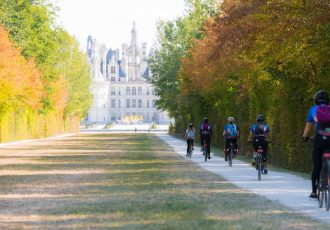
(110, 21)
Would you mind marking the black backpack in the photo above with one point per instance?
(259, 129)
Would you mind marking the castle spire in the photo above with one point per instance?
(134, 36)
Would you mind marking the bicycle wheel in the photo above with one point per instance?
(321, 195)
(189, 151)
(327, 207)
(259, 167)
(326, 198)
(230, 160)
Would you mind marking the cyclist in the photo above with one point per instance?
(259, 134)
(230, 133)
(205, 133)
(190, 135)
(319, 115)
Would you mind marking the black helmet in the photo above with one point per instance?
(260, 118)
(321, 97)
(190, 125)
(205, 120)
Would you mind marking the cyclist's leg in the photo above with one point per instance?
(317, 162)
(188, 141)
(226, 148)
(235, 146)
(192, 144)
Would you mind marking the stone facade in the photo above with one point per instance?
(121, 92)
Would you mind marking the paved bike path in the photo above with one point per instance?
(287, 189)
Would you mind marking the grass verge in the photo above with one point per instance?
(124, 181)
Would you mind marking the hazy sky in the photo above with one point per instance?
(111, 21)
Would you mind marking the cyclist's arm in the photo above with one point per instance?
(307, 129)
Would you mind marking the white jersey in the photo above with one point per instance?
(190, 133)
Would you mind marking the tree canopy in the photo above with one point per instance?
(252, 57)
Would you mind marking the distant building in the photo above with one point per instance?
(121, 92)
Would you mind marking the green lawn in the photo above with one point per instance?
(124, 181)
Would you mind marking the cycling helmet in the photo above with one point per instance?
(205, 120)
(190, 125)
(321, 97)
(231, 119)
(260, 118)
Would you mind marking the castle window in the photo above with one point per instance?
(133, 91)
(128, 105)
(113, 91)
(113, 103)
(113, 69)
(128, 91)
(139, 91)
(140, 103)
(134, 103)
(113, 79)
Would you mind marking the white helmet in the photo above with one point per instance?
(231, 119)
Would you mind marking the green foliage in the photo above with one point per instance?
(175, 40)
(253, 57)
(64, 68)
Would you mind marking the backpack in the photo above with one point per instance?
(323, 116)
(232, 130)
(259, 129)
(206, 127)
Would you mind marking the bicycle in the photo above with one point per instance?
(231, 154)
(323, 188)
(190, 149)
(205, 151)
(258, 156)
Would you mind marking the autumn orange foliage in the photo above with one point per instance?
(20, 81)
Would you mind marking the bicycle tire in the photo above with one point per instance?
(189, 151)
(321, 195)
(259, 167)
(326, 197)
(230, 160)
(327, 207)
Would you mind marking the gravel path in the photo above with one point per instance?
(287, 189)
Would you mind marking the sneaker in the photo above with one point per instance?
(313, 195)
(209, 157)
(187, 155)
(264, 171)
(226, 158)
